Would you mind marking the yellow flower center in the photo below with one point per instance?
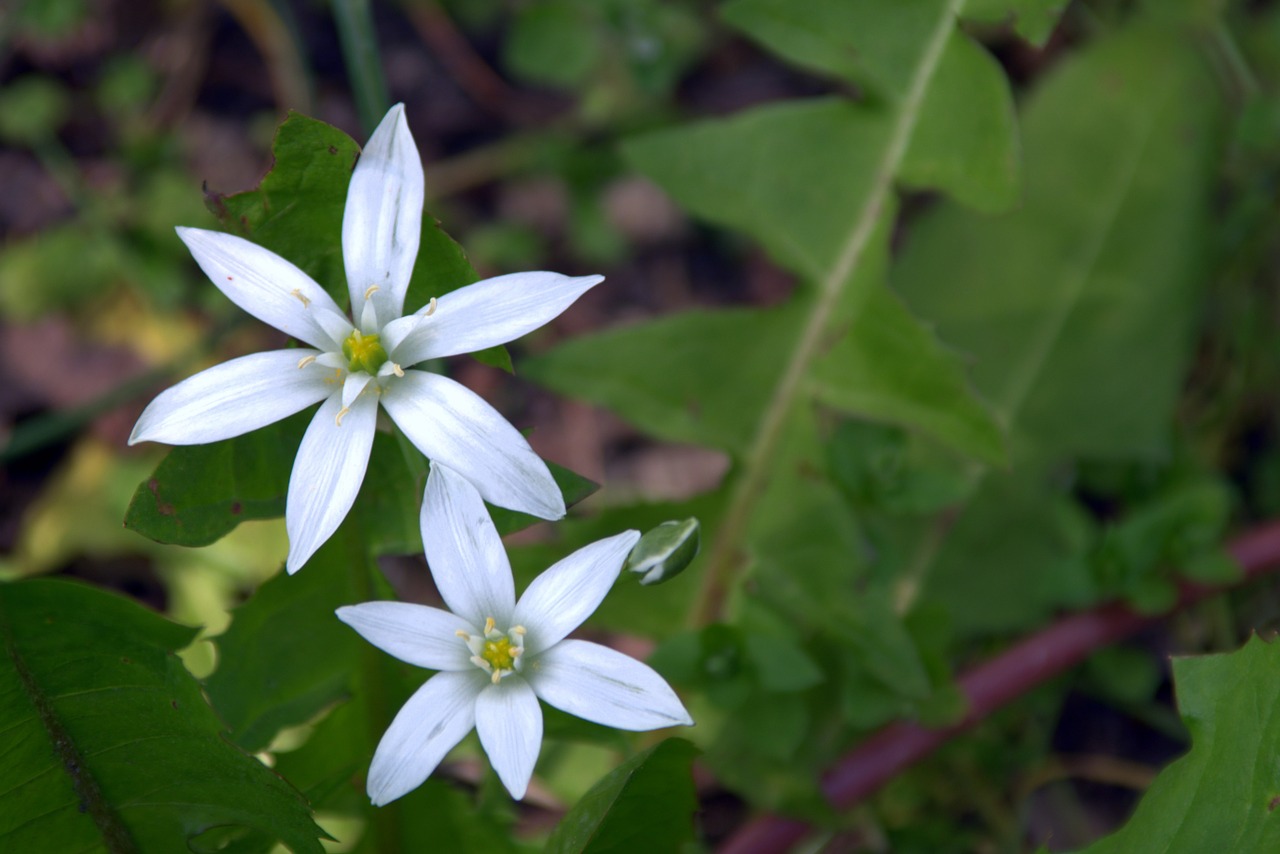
(498, 654)
(364, 353)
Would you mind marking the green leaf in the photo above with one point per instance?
(891, 368)
(285, 656)
(109, 743)
(874, 43)
(645, 804)
(644, 372)
(1222, 795)
(1034, 20)
(199, 493)
(1078, 309)
(296, 211)
(965, 141)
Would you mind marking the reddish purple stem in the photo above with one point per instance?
(987, 687)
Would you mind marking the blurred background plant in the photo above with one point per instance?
(533, 119)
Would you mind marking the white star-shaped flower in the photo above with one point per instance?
(498, 656)
(352, 366)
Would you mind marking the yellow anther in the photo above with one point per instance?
(516, 651)
(368, 292)
(341, 412)
(518, 630)
(305, 360)
(397, 370)
(496, 677)
(297, 292)
(489, 623)
(431, 308)
(460, 633)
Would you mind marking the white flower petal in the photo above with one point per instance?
(265, 285)
(393, 333)
(382, 222)
(352, 386)
(327, 474)
(231, 399)
(604, 686)
(490, 312)
(509, 723)
(559, 599)
(464, 551)
(417, 634)
(427, 727)
(454, 426)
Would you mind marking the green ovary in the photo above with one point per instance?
(364, 353)
(498, 654)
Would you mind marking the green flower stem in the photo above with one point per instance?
(727, 560)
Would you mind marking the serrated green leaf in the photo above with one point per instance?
(645, 804)
(110, 745)
(1222, 795)
(296, 211)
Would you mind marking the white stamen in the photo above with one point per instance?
(397, 370)
(341, 412)
(431, 308)
(369, 291)
(306, 360)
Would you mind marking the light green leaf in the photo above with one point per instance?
(794, 176)
(645, 804)
(1078, 308)
(1033, 19)
(1221, 796)
(647, 373)
(966, 142)
(889, 367)
(110, 746)
(875, 42)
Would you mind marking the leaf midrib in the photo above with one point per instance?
(115, 836)
(725, 560)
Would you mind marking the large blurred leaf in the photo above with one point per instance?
(965, 140)
(645, 804)
(1222, 795)
(1078, 308)
(109, 744)
(701, 377)
(1033, 19)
